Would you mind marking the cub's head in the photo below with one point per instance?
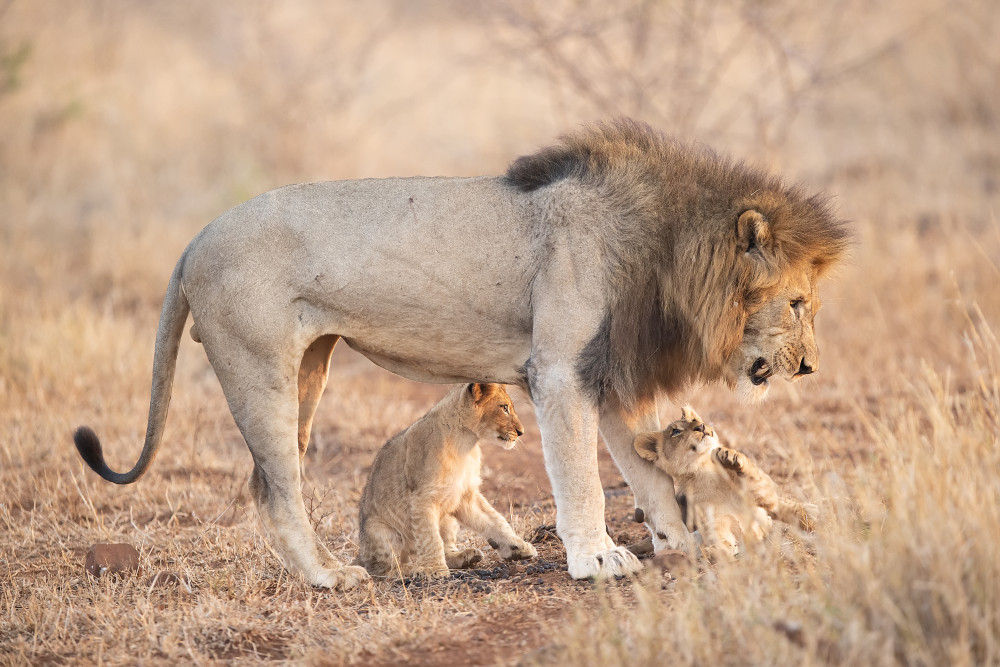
(682, 447)
(496, 413)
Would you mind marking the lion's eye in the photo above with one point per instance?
(694, 448)
(796, 303)
(506, 410)
(675, 432)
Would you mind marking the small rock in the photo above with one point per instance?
(116, 559)
(166, 579)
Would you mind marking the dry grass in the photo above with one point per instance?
(127, 127)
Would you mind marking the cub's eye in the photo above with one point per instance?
(675, 432)
(795, 303)
(506, 409)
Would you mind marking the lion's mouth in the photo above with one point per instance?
(759, 372)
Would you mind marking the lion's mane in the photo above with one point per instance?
(680, 290)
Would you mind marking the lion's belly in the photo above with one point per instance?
(456, 360)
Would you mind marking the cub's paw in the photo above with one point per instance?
(616, 562)
(519, 550)
(808, 514)
(459, 560)
(343, 579)
(429, 571)
(730, 459)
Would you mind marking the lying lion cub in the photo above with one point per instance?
(727, 495)
(425, 482)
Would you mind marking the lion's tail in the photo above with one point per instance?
(168, 338)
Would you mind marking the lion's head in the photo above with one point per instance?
(710, 264)
(495, 412)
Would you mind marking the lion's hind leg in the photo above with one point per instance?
(263, 401)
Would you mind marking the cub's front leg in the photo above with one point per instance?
(478, 515)
(428, 548)
(456, 558)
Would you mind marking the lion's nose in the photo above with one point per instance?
(519, 430)
(805, 368)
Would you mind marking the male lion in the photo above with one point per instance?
(596, 274)
(425, 482)
(728, 497)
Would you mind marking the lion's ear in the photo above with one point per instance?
(645, 445)
(753, 232)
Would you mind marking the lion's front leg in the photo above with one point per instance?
(567, 418)
(653, 489)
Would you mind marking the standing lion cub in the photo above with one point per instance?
(728, 496)
(425, 482)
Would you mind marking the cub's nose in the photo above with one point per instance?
(805, 368)
(519, 430)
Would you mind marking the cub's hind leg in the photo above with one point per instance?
(313, 372)
(262, 396)
(381, 550)
(456, 558)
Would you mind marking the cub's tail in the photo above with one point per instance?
(168, 338)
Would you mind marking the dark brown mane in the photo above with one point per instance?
(673, 265)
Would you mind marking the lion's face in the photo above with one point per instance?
(682, 447)
(496, 414)
(778, 339)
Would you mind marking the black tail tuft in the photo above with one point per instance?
(89, 446)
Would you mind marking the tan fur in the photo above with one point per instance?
(729, 497)
(596, 274)
(424, 483)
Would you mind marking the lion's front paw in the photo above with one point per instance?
(616, 562)
(343, 579)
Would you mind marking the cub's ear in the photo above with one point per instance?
(646, 445)
(753, 233)
(688, 414)
(480, 391)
